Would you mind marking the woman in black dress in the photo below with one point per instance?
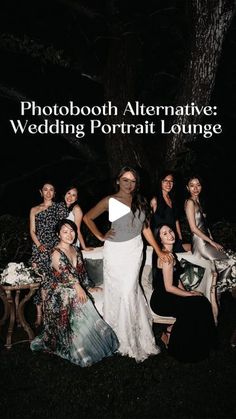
(164, 210)
(193, 334)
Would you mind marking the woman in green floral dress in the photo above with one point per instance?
(72, 328)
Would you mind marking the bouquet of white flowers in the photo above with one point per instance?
(18, 273)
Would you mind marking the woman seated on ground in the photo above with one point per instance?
(193, 334)
(164, 210)
(72, 328)
(223, 262)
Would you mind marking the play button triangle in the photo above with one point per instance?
(117, 209)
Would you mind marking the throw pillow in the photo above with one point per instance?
(94, 269)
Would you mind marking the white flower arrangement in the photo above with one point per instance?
(17, 274)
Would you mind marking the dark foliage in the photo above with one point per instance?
(15, 243)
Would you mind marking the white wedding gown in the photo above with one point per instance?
(125, 308)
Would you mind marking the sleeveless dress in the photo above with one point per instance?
(168, 215)
(125, 307)
(224, 263)
(72, 218)
(98, 295)
(194, 333)
(45, 225)
(72, 330)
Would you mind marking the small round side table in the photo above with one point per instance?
(14, 308)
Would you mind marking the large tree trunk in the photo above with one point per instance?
(120, 86)
(209, 21)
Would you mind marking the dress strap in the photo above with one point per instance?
(58, 250)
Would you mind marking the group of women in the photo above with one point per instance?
(72, 327)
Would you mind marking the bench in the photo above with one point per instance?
(93, 261)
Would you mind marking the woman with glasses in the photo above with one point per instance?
(164, 210)
(125, 308)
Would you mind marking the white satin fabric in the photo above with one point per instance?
(72, 218)
(125, 307)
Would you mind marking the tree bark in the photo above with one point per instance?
(120, 86)
(209, 22)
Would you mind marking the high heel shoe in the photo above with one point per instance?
(165, 337)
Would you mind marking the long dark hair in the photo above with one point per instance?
(138, 201)
(71, 223)
(47, 182)
(199, 178)
(67, 189)
(157, 233)
(161, 203)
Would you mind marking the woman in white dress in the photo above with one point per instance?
(76, 215)
(125, 308)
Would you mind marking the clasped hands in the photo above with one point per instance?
(217, 246)
(81, 294)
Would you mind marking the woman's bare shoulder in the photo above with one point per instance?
(56, 254)
(105, 201)
(189, 202)
(36, 209)
(77, 209)
(170, 263)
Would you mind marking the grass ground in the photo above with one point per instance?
(38, 385)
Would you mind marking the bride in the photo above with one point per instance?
(125, 308)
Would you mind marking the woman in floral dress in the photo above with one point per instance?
(43, 219)
(72, 329)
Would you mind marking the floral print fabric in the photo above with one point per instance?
(73, 330)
